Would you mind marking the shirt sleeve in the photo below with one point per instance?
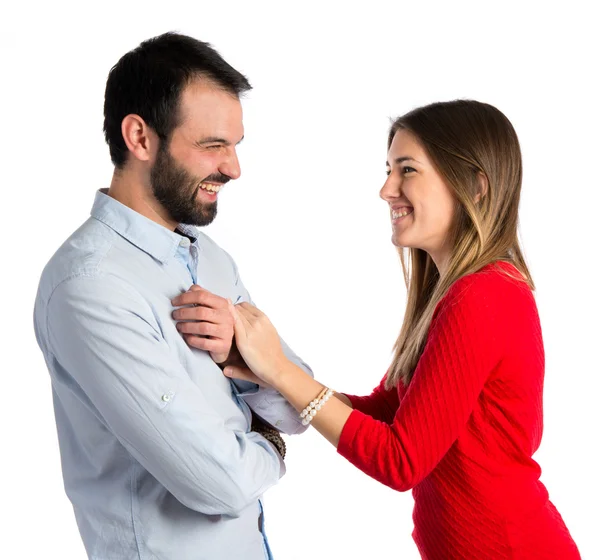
(268, 403)
(381, 404)
(465, 344)
(105, 340)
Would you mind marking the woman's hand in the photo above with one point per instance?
(258, 343)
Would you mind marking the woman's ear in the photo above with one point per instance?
(482, 187)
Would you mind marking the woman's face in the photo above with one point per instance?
(421, 204)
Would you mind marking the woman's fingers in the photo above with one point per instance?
(249, 310)
(240, 322)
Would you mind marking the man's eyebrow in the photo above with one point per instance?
(402, 159)
(216, 140)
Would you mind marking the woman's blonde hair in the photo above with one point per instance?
(475, 149)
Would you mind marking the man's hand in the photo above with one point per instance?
(206, 322)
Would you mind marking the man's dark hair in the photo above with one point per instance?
(148, 82)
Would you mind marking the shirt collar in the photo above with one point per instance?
(152, 238)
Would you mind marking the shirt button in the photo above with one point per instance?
(166, 397)
(185, 242)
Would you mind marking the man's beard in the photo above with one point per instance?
(176, 189)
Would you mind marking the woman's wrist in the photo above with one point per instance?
(297, 386)
(281, 372)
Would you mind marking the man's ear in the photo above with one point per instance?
(138, 137)
(482, 188)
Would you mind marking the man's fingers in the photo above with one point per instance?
(208, 344)
(201, 314)
(199, 296)
(205, 329)
(244, 374)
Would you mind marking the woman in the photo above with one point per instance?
(458, 415)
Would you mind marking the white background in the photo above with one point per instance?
(305, 224)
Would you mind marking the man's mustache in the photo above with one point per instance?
(217, 178)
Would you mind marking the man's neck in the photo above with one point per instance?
(130, 191)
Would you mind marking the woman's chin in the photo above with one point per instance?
(401, 241)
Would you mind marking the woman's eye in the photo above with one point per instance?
(388, 171)
(406, 169)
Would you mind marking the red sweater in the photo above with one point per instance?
(463, 433)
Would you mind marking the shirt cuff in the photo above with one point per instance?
(245, 387)
(275, 410)
(282, 467)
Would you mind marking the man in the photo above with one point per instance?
(157, 454)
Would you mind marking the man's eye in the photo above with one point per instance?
(210, 146)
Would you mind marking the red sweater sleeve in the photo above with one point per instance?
(381, 404)
(465, 343)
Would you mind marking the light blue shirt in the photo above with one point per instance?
(157, 454)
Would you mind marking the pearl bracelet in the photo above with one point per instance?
(314, 406)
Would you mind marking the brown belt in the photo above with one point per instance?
(260, 522)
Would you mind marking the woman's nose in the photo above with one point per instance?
(390, 190)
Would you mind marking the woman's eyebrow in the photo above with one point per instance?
(399, 160)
